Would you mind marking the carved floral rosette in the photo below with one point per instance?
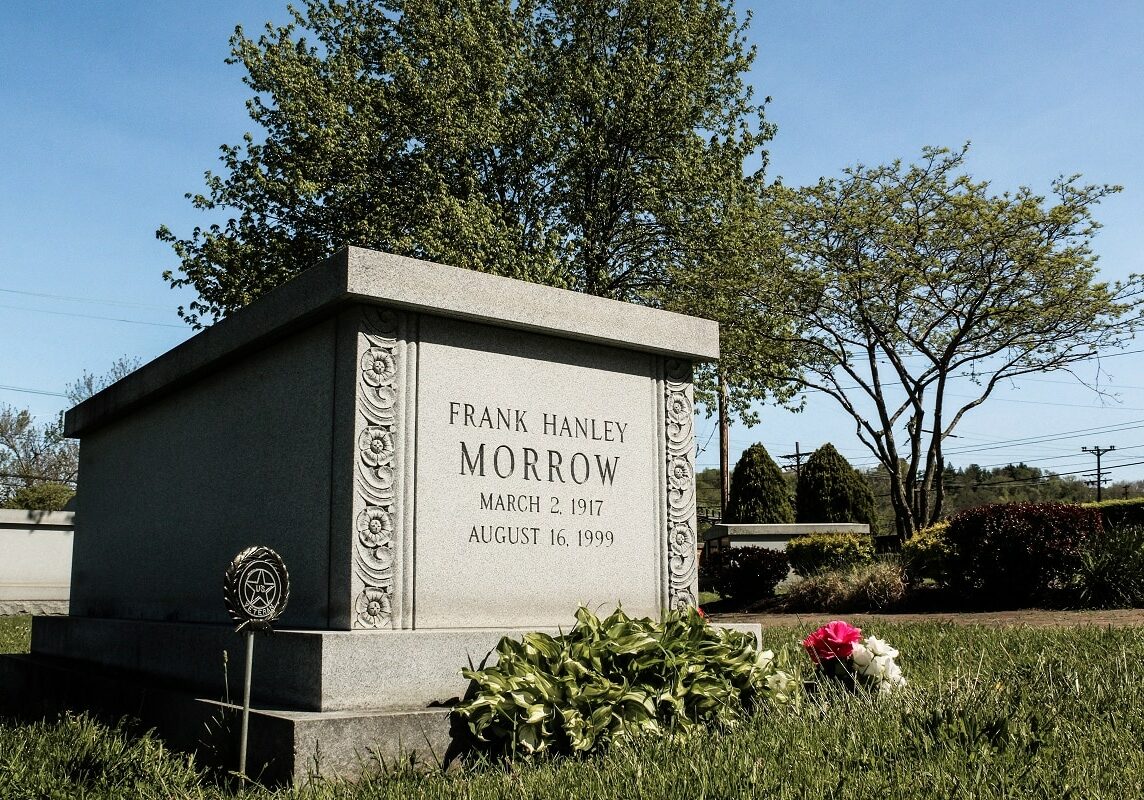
(681, 543)
(376, 501)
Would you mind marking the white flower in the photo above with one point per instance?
(861, 657)
(873, 661)
(891, 677)
(879, 647)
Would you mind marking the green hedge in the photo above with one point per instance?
(1015, 555)
(1115, 513)
(926, 554)
(743, 574)
(822, 552)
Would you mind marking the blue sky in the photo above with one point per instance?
(112, 111)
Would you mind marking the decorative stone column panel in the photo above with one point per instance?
(377, 504)
(682, 561)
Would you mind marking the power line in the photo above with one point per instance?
(96, 316)
(1027, 441)
(33, 391)
(73, 299)
(1059, 474)
(1032, 480)
(987, 443)
(1111, 387)
(708, 440)
(1051, 403)
(1049, 437)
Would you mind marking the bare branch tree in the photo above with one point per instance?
(910, 278)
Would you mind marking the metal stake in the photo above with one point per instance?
(246, 702)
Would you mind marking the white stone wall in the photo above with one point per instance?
(35, 561)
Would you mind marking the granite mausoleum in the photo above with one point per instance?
(440, 456)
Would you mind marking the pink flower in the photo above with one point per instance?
(833, 640)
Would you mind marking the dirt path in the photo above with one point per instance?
(1033, 618)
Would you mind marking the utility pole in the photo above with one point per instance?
(797, 456)
(724, 448)
(1098, 452)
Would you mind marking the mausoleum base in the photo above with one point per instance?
(284, 746)
(293, 669)
(325, 703)
(296, 669)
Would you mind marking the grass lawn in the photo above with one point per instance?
(15, 634)
(989, 713)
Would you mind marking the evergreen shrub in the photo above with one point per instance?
(744, 574)
(830, 490)
(814, 553)
(758, 493)
(1019, 554)
(926, 554)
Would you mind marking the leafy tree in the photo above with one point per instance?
(741, 286)
(758, 490)
(597, 146)
(910, 277)
(707, 488)
(830, 490)
(32, 454)
(973, 486)
(1013, 483)
(555, 141)
(1123, 490)
(38, 464)
(88, 384)
(46, 496)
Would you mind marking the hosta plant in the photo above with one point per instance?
(609, 679)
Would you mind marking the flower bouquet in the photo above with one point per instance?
(839, 651)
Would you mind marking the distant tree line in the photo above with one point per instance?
(965, 488)
(38, 464)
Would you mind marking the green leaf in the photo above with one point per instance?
(607, 683)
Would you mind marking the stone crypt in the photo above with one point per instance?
(440, 456)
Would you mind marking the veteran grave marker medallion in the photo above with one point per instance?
(256, 588)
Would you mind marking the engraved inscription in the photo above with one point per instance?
(552, 465)
(538, 471)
